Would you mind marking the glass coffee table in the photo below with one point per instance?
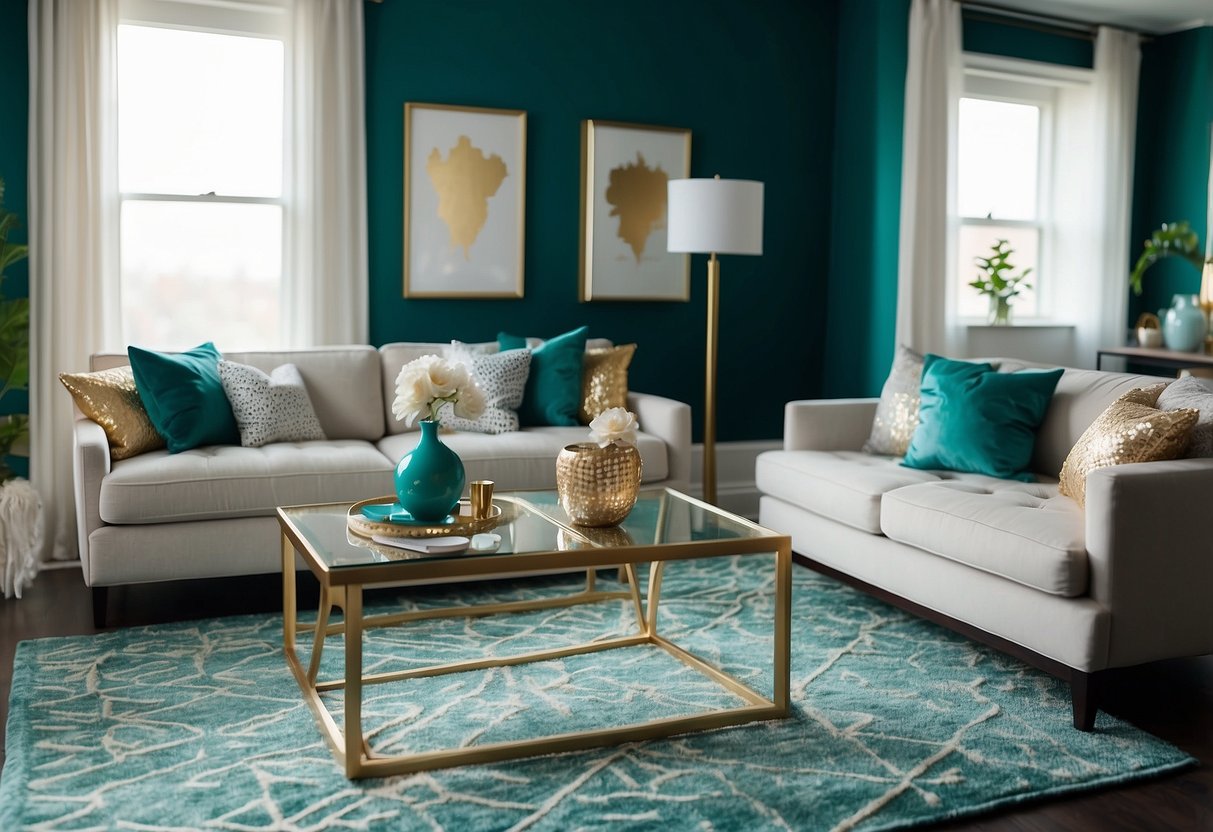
(536, 537)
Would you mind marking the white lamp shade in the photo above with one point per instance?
(715, 215)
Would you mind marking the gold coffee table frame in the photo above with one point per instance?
(343, 587)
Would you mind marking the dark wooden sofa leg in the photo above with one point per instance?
(1086, 702)
(100, 599)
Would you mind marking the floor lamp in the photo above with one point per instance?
(714, 216)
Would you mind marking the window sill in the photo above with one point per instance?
(1020, 325)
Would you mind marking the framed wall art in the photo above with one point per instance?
(624, 171)
(464, 201)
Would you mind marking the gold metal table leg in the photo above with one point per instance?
(353, 680)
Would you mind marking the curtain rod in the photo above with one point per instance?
(1038, 21)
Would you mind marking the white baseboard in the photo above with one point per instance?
(735, 489)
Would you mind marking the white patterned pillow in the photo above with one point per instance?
(502, 376)
(269, 408)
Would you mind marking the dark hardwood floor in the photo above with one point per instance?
(1172, 700)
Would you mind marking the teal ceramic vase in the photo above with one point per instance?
(1184, 325)
(429, 478)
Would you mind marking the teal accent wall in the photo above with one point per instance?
(866, 196)
(1174, 124)
(14, 161)
(755, 83)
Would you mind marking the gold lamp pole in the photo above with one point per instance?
(713, 216)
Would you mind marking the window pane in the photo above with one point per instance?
(998, 151)
(195, 272)
(199, 112)
(977, 241)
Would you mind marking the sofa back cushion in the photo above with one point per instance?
(343, 383)
(1081, 396)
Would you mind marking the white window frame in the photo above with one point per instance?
(1016, 81)
(242, 18)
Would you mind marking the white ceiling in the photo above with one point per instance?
(1153, 16)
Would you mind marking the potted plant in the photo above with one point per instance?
(14, 341)
(20, 506)
(1176, 239)
(997, 282)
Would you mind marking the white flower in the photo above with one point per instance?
(471, 403)
(425, 384)
(614, 425)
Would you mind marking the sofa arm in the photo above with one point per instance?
(1151, 557)
(670, 421)
(827, 424)
(90, 464)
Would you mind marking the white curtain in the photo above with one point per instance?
(72, 202)
(925, 321)
(325, 273)
(1117, 65)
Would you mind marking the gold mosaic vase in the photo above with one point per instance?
(598, 486)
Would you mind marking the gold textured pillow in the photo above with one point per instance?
(110, 399)
(1132, 429)
(604, 380)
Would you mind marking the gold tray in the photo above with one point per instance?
(463, 525)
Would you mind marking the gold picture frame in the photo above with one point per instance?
(624, 171)
(464, 201)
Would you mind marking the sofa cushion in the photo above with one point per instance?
(271, 407)
(976, 419)
(842, 485)
(526, 458)
(1022, 531)
(184, 396)
(232, 481)
(553, 388)
(897, 413)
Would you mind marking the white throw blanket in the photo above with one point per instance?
(20, 535)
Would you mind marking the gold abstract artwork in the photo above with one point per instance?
(465, 181)
(637, 195)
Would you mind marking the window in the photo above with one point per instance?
(200, 176)
(1002, 187)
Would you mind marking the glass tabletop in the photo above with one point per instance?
(532, 522)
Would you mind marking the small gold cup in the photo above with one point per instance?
(482, 498)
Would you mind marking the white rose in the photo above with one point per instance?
(614, 425)
(471, 403)
(414, 392)
(446, 378)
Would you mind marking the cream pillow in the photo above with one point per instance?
(1193, 392)
(897, 413)
(502, 378)
(1132, 429)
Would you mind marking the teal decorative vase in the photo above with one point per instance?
(1184, 325)
(429, 478)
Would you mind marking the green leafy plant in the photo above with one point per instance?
(1176, 239)
(14, 340)
(997, 281)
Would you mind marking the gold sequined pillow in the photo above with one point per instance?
(604, 380)
(1132, 429)
(897, 412)
(110, 399)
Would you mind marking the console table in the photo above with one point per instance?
(1155, 358)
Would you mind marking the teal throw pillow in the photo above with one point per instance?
(184, 396)
(976, 419)
(553, 389)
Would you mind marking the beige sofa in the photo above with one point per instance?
(209, 511)
(1071, 591)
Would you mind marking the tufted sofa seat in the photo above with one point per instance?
(209, 511)
(1070, 590)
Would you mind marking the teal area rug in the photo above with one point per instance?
(896, 722)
